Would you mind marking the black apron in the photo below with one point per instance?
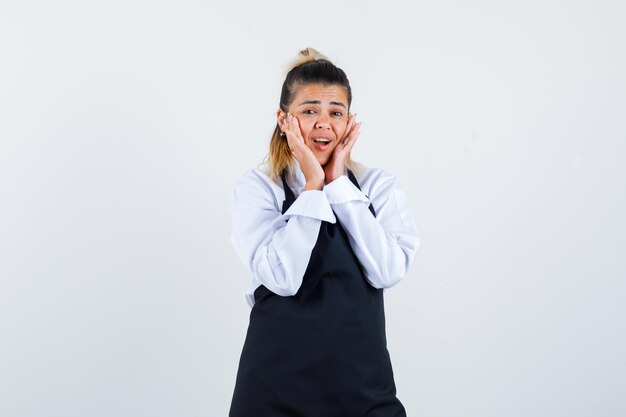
(322, 352)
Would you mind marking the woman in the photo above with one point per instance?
(322, 237)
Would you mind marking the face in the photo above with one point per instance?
(322, 112)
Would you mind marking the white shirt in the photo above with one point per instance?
(277, 252)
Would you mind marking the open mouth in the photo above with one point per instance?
(321, 143)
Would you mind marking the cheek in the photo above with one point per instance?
(341, 128)
(305, 128)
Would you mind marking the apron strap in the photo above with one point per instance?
(356, 183)
(289, 196)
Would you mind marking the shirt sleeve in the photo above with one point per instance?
(274, 250)
(386, 244)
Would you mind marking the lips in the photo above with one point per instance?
(322, 140)
(321, 143)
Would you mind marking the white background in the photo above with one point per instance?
(124, 123)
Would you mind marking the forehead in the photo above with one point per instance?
(321, 92)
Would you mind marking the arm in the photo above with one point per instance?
(386, 244)
(276, 252)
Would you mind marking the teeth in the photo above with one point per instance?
(321, 140)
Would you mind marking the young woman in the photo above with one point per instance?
(322, 237)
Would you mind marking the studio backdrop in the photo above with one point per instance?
(123, 125)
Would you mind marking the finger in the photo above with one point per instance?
(350, 126)
(285, 123)
(294, 127)
(353, 121)
(291, 140)
(353, 130)
(289, 134)
(290, 124)
(294, 136)
(352, 138)
(286, 130)
(350, 123)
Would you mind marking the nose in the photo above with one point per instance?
(322, 121)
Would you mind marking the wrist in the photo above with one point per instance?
(313, 185)
(332, 177)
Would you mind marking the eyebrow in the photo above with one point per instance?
(335, 103)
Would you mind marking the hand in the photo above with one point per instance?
(311, 168)
(336, 166)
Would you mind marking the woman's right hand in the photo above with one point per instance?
(310, 166)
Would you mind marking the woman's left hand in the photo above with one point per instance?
(336, 166)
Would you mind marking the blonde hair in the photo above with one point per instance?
(309, 67)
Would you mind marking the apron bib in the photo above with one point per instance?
(322, 352)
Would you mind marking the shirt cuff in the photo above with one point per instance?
(313, 204)
(341, 190)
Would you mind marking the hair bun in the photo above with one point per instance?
(306, 55)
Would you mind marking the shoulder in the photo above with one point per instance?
(254, 187)
(374, 180)
(255, 177)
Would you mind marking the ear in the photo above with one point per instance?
(280, 116)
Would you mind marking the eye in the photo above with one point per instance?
(309, 111)
(337, 113)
